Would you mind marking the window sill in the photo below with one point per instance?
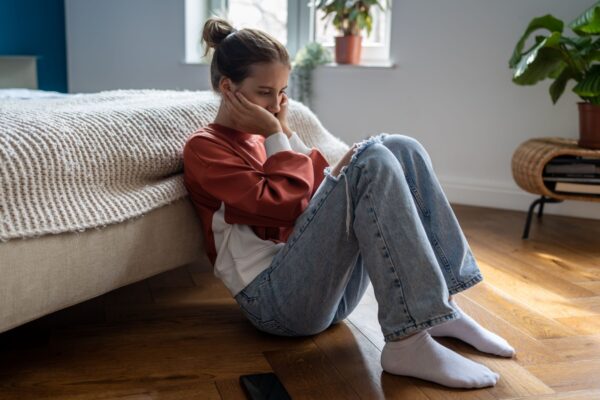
(192, 63)
(363, 64)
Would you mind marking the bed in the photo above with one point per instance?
(92, 195)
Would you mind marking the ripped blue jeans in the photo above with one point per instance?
(388, 223)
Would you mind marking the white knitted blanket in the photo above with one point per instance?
(89, 160)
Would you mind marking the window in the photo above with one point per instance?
(375, 47)
(293, 22)
(267, 15)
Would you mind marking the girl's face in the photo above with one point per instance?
(265, 85)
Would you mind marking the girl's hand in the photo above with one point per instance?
(250, 117)
(344, 160)
(282, 115)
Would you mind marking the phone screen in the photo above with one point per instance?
(264, 387)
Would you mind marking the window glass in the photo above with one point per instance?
(268, 15)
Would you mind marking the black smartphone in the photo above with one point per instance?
(264, 387)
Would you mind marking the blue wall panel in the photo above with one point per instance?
(37, 27)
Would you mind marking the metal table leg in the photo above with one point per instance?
(541, 202)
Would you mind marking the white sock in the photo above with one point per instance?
(468, 330)
(422, 357)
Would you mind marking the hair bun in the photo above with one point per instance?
(215, 30)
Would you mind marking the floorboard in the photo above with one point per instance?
(180, 335)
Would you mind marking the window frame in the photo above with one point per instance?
(301, 30)
(370, 53)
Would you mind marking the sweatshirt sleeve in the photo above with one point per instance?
(298, 145)
(275, 196)
(279, 142)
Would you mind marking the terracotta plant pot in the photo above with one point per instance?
(348, 49)
(589, 125)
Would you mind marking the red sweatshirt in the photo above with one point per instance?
(248, 192)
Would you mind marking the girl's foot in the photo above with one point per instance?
(468, 330)
(422, 357)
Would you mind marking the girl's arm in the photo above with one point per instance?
(273, 196)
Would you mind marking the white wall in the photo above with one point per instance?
(451, 88)
(128, 44)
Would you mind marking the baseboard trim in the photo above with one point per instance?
(507, 195)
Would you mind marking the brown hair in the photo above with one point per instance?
(236, 50)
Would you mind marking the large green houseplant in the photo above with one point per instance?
(561, 59)
(350, 17)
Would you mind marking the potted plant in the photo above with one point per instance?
(306, 60)
(561, 58)
(350, 17)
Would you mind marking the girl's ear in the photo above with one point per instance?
(225, 85)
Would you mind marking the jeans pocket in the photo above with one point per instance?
(274, 327)
(248, 306)
(250, 298)
(258, 311)
(261, 319)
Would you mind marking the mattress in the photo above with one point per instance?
(46, 274)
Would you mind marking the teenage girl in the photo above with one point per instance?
(297, 247)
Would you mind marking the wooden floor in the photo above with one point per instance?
(180, 335)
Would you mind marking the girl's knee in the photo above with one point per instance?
(379, 154)
(398, 144)
(404, 141)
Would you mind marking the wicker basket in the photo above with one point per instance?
(530, 158)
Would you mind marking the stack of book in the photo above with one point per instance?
(573, 175)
